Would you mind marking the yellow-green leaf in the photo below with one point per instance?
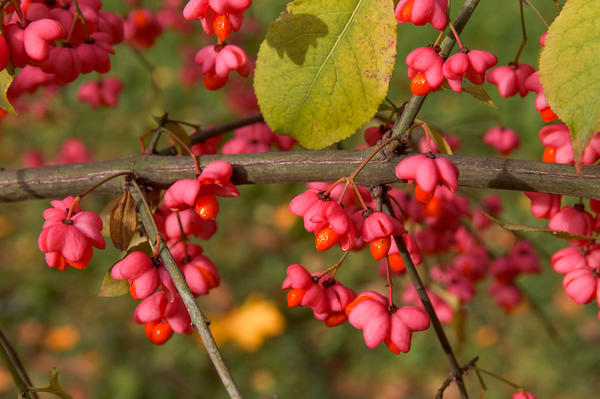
(477, 92)
(570, 70)
(325, 67)
(565, 235)
(440, 142)
(111, 287)
(5, 80)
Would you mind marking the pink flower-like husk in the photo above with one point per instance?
(425, 11)
(544, 205)
(557, 135)
(581, 285)
(573, 221)
(182, 194)
(193, 272)
(427, 61)
(380, 225)
(191, 223)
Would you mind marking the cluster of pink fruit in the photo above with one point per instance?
(428, 70)
(220, 17)
(190, 208)
(55, 42)
(435, 216)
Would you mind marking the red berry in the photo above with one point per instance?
(158, 332)
(222, 27)
(132, 291)
(326, 238)
(547, 114)
(335, 319)
(396, 262)
(423, 196)
(549, 154)
(433, 207)
(294, 297)
(212, 81)
(391, 346)
(207, 206)
(407, 11)
(419, 85)
(380, 247)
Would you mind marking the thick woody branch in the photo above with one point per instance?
(293, 167)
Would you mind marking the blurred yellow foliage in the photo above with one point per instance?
(61, 338)
(250, 324)
(6, 226)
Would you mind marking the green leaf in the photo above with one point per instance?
(440, 142)
(325, 67)
(519, 227)
(5, 80)
(477, 92)
(180, 132)
(569, 70)
(143, 246)
(111, 287)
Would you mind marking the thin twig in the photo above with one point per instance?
(15, 367)
(199, 321)
(456, 370)
(448, 381)
(209, 132)
(524, 31)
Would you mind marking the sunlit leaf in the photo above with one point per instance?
(570, 73)
(325, 67)
(111, 287)
(5, 80)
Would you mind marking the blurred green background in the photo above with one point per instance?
(55, 319)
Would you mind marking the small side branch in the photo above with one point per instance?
(452, 377)
(15, 367)
(199, 321)
(456, 370)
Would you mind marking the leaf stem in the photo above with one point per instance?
(89, 190)
(185, 146)
(524, 31)
(496, 376)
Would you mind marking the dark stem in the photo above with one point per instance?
(15, 367)
(524, 31)
(448, 381)
(456, 370)
(184, 146)
(209, 132)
